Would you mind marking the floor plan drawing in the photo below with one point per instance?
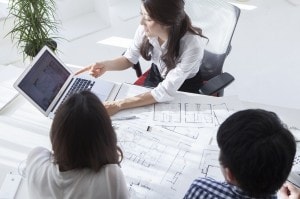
(209, 165)
(190, 114)
(167, 112)
(199, 113)
(159, 157)
(170, 144)
(190, 132)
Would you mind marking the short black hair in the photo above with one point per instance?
(82, 135)
(258, 149)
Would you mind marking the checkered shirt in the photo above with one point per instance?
(208, 188)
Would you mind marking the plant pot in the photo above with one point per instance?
(32, 49)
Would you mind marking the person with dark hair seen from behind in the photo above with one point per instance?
(256, 157)
(85, 158)
(167, 38)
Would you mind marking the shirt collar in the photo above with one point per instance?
(238, 191)
(155, 43)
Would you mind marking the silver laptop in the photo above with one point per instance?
(47, 83)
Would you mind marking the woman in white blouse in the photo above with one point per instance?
(85, 158)
(167, 38)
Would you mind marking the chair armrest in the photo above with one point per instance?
(138, 69)
(216, 84)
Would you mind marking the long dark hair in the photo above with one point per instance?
(169, 13)
(82, 135)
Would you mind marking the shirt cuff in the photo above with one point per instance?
(161, 95)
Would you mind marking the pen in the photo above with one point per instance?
(124, 118)
(148, 128)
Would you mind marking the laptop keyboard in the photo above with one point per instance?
(79, 85)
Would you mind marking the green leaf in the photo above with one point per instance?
(34, 24)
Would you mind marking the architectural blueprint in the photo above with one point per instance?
(180, 146)
(159, 163)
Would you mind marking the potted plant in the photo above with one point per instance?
(34, 25)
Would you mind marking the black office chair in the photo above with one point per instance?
(218, 20)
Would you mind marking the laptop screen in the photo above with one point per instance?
(44, 80)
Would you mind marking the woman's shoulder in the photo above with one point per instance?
(111, 181)
(112, 172)
(192, 38)
(191, 41)
(37, 159)
(112, 169)
(108, 170)
(38, 156)
(38, 151)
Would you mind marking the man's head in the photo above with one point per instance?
(256, 151)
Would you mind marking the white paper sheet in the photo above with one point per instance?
(168, 145)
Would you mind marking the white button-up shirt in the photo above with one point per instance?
(190, 57)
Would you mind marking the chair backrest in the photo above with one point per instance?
(218, 20)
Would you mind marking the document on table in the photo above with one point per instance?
(130, 90)
(8, 75)
(167, 145)
(186, 110)
(160, 163)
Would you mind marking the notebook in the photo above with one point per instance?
(46, 82)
